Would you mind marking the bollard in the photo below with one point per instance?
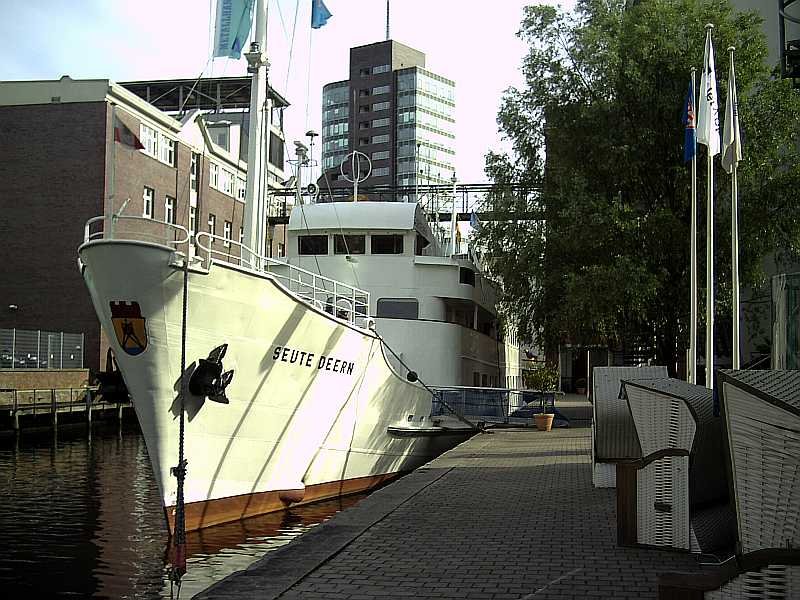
(53, 407)
(89, 405)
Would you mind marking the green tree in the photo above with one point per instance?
(596, 130)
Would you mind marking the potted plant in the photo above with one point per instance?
(544, 379)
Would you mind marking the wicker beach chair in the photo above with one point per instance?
(761, 428)
(678, 488)
(613, 432)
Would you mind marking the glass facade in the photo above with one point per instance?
(335, 127)
(425, 140)
(410, 125)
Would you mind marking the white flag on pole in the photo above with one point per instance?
(708, 111)
(731, 138)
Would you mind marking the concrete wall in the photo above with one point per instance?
(43, 379)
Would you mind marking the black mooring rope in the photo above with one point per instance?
(179, 560)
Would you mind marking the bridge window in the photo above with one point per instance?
(312, 244)
(349, 244)
(466, 276)
(387, 244)
(398, 308)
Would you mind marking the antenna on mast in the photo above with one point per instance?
(387, 20)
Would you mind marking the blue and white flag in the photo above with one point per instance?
(319, 14)
(473, 221)
(690, 131)
(234, 18)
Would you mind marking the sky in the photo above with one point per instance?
(472, 43)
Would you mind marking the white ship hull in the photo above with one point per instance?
(312, 399)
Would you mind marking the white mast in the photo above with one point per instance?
(453, 220)
(258, 146)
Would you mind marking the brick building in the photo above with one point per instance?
(60, 166)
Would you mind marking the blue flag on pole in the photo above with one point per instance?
(319, 14)
(690, 132)
(234, 18)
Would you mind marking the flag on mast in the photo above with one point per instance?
(731, 137)
(319, 14)
(234, 18)
(690, 131)
(125, 136)
(708, 113)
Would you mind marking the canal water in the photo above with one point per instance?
(80, 518)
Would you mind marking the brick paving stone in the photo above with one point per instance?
(507, 515)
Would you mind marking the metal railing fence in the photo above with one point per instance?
(49, 400)
(496, 405)
(37, 349)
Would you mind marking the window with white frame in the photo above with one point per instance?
(149, 138)
(148, 199)
(194, 171)
(213, 179)
(226, 182)
(380, 122)
(212, 226)
(380, 172)
(380, 106)
(381, 89)
(241, 188)
(166, 151)
(380, 139)
(381, 155)
(192, 220)
(169, 209)
(226, 233)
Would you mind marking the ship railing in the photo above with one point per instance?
(492, 405)
(344, 301)
(135, 227)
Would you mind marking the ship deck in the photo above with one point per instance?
(510, 514)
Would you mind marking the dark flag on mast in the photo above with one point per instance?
(690, 137)
(125, 136)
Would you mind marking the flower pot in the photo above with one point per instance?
(544, 422)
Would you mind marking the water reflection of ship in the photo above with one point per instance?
(264, 531)
(218, 551)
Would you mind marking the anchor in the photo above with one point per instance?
(208, 379)
(111, 385)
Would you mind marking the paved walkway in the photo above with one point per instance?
(507, 515)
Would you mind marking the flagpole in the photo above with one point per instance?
(454, 220)
(710, 274)
(710, 242)
(735, 235)
(693, 267)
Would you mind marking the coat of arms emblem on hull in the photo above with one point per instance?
(129, 325)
